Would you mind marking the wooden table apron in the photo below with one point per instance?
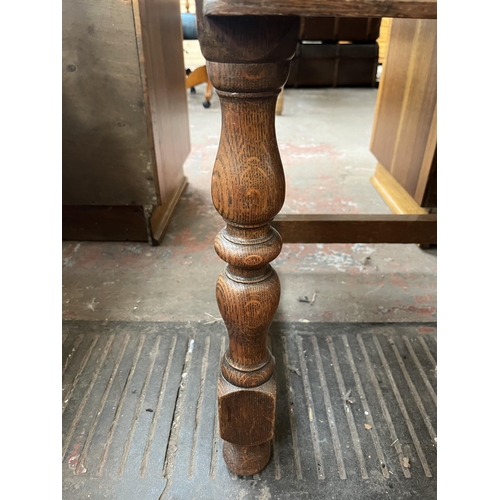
(248, 46)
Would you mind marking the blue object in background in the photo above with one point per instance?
(189, 30)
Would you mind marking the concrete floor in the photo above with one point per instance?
(324, 139)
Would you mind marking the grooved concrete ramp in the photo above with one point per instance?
(356, 415)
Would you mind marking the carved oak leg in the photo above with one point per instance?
(247, 63)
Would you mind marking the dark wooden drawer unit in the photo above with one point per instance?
(334, 65)
(334, 29)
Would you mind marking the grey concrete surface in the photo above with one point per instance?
(324, 137)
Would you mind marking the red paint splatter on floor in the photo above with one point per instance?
(422, 299)
(399, 281)
(421, 310)
(327, 316)
(297, 152)
(418, 310)
(425, 329)
(74, 456)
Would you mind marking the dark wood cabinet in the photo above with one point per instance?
(125, 119)
(334, 29)
(334, 65)
(336, 52)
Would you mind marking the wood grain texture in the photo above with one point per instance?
(162, 214)
(165, 89)
(383, 39)
(227, 39)
(243, 405)
(428, 165)
(416, 9)
(247, 456)
(248, 64)
(394, 194)
(429, 199)
(248, 45)
(404, 138)
(357, 228)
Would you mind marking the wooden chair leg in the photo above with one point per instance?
(196, 77)
(280, 102)
(247, 65)
(208, 94)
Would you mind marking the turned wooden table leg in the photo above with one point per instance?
(247, 63)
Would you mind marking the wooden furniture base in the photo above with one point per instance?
(248, 45)
(246, 459)
(395, 195)
(125, 129)
(146, 223)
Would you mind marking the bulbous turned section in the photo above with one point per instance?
(247, 309)
(248, 183)
(247, 258)
(248, 64)
(248, 190)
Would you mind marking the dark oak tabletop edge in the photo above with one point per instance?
(412, 9)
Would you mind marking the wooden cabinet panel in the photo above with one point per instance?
(404, 138)
(166, 89)
(125, 120)
(333, 29)
(107, 158)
